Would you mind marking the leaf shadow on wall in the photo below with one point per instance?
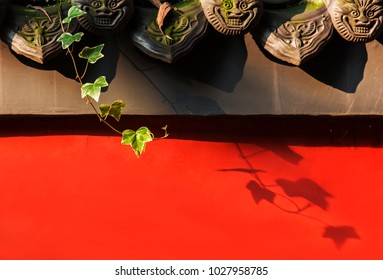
(283, 151)
(307, 189)
(339, 64)
(294, 197)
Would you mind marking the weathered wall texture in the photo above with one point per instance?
(222, 75)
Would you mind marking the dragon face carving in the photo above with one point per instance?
(105, 16)
(232, 17)
(357, 20)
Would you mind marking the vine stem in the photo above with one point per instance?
(89, 100)
(78, 77)
(101, 119)
(85, 70)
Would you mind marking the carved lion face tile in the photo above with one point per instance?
(105, 16)
(357, 20)
(232, 17)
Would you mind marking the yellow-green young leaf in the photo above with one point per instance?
(116, 109)
(94, 89)
(74, 12)
(104, 110)
(113, 110)
(68, 39)
(92, 54)
(137, 139)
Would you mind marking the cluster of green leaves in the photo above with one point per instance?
(92, 91)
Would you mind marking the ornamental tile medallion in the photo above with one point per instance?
(33, 32)
(232, 17)
(105, 17)
(183, 27)
(294, 34)
(357, 20)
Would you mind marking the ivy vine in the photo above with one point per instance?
(92, 91)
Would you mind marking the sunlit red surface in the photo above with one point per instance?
(88, 197)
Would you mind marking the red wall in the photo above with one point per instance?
(88, 197)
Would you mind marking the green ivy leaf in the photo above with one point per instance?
(68, 39)
(92, 54)
(74, 12)
(94, 89)
(104, 110)
(113, 110)
(137, 139)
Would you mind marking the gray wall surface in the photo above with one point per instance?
(222, 75)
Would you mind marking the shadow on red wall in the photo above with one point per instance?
(220, 188)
